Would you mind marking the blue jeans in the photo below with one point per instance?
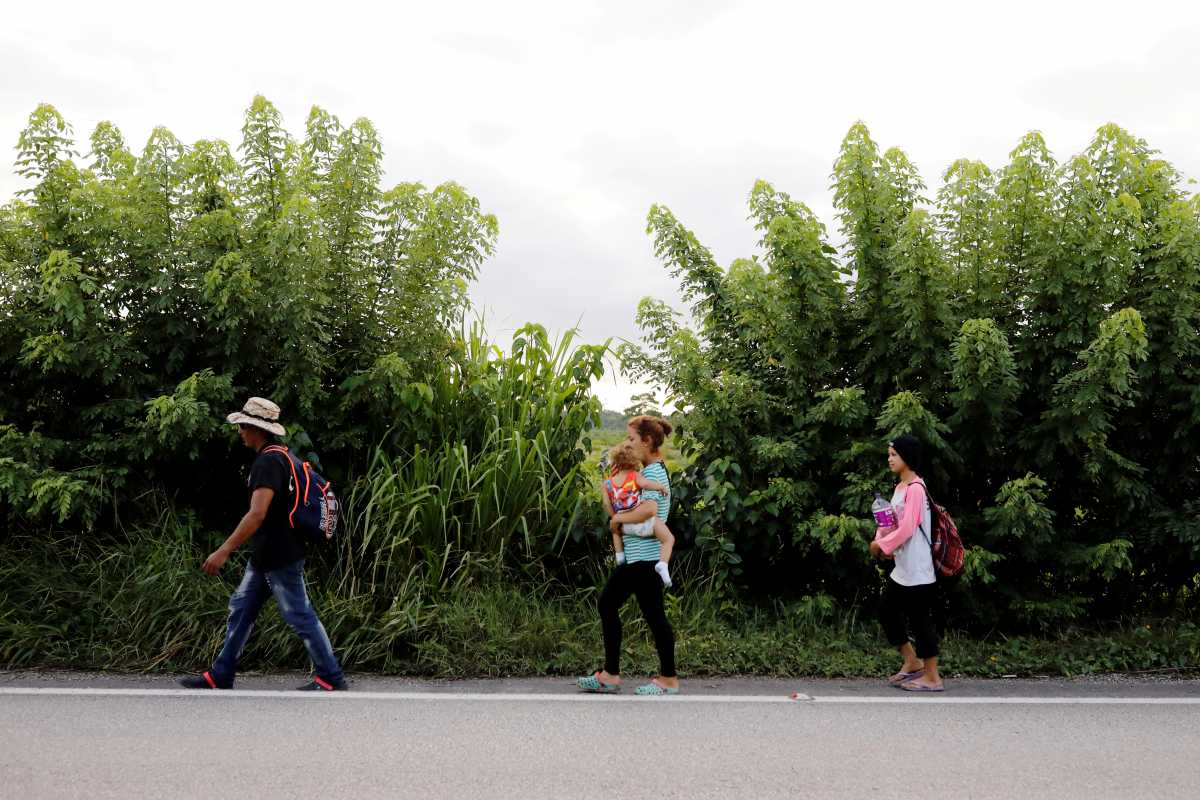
(287, 585)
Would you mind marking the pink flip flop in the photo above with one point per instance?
(917, 687)
(904, 677)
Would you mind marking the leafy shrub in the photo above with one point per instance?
(145, 296)
(1037, 326)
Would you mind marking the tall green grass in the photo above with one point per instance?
(505, 504)
(485, 479)
(145, 606)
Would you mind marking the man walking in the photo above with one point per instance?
(276, 561)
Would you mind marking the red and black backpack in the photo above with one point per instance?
(945, 544)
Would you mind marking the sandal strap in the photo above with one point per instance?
(592, 683)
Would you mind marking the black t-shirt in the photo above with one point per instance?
(274, 544)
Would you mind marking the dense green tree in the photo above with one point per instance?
(142, 295)
(1036, 325)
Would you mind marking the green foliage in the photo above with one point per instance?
(967, 219)
(145, 296)
(985, 382)
(644, 403)
(140, 606)
(1035, 325)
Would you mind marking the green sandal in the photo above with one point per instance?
(655, 689)
(593, 684)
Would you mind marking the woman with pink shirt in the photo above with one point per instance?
(911, 593)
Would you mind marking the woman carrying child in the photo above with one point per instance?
(623, 492)
(641, 561)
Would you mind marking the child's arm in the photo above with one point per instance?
(651, 485)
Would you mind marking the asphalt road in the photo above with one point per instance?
(98, 737)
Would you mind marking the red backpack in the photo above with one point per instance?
(945, 544)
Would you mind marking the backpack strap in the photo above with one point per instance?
(932, 512)
(291, 462)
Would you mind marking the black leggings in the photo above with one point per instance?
(915, 608)
(638, 579)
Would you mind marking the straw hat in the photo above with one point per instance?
(261, 413)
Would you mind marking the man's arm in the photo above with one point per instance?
(260, 501)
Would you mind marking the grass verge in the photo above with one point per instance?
(146, 606)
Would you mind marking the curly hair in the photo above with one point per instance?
(623, 457)
(655, 429)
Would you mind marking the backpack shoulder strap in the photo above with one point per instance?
(932, 512)
(290, 460)
(277, 448)
(928, 496)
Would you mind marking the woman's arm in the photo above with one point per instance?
(645, 510)
(914, 510)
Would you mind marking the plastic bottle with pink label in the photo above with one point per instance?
(885, 515)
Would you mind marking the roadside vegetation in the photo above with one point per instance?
(1052, 364)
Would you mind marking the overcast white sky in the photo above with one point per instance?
(569, 119)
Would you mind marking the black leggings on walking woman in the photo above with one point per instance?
(640, 579)
(912, 609)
